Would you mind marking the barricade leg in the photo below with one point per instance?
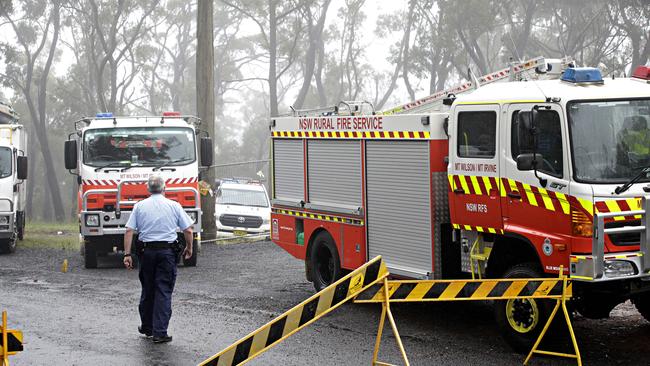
(560, 303)
(5, 347)
(385, 312)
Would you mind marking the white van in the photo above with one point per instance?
(242, 207)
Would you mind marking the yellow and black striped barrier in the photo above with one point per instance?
(459, 290)
(301, 316)
(11, 341)
(559, 289)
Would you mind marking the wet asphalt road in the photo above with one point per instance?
(89, 317)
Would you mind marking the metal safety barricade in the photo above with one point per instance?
(559, 289)
(11, 341)
(301, 316)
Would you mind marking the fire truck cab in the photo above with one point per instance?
(13, 172)
(513, 179)
(114, 156)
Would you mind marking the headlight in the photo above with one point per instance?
(267, 220)
(92, 220)
(4, 220)
(192, 215)
(619, 269)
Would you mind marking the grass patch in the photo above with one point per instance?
(51, 235)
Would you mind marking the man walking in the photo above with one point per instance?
(156, 220)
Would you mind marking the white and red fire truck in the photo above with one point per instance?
(113, 158)
(509, 179)
(13, 172)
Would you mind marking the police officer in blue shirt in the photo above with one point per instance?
(156, 220)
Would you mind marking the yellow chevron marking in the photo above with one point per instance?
(515, 288)
(487, 184)
(367, 134)
(564, 202)
(635, 204)
(463, 183)
(456, 226)
(477, 187)
(530, 195)
(452, 184)
(293, 319)
(587, 205)
(612, 205)
(479, 229)
(467, 227)
(427, 135)
(513, 186)
(452, 290)
(227, 358)
(548, 202)
(484, 289)
(325, 301)
(491, 230)
(419, 291)
(259, 340)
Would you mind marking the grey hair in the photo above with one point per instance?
(156, 184)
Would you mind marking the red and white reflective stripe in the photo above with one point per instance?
(110, 182)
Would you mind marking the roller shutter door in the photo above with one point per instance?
(288, 165)
(334, 176)
(398, 204)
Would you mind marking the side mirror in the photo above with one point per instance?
(70, 150)
(528, 161)
(21, 167)
(206, 151)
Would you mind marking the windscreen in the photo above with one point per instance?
(242, 197)
(143, 146)
(5, 162)
(610, 140)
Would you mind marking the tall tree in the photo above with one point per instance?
(205, 99)
(28, 68)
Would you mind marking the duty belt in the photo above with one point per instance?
(157, 245)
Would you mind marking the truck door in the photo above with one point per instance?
(527, 203)
(474, 170)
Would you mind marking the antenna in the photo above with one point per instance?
(514, 47)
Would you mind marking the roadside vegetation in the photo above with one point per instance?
(64, 236)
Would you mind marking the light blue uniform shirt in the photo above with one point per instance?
(157, 218)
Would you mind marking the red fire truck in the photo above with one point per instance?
(114, 156)
(510, 179)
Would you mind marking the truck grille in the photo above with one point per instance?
(624, 239)
(250, 222)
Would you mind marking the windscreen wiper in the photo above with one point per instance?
(636, 178)
(113, 164)
(162, 165)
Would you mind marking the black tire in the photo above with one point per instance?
(21, 225)
(194, 258)
(7, 246)
(642, 304)
(325, 264)
(90, 255)
(521, 321)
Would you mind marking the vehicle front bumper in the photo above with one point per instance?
(264, 228)
(7, 230)
(110, 224)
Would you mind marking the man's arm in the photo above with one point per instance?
(128, 240)
(189, 239)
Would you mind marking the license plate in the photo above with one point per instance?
(239, 232)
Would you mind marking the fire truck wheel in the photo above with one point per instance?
(193, 259)
(521, 320)
(642, 304)
(325, 263)
(90, 255)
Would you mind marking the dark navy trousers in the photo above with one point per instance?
(157, 276)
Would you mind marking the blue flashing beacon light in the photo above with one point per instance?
(104, 115)
(589, 75)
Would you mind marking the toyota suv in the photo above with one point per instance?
(242, 208)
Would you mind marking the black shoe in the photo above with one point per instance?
(146, 333)
(163, 339)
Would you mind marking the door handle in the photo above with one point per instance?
(514, 195)
(459, 191)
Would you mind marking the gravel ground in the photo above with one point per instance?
(89, 317)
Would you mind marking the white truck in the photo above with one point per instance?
(114, 156)
(13, 172)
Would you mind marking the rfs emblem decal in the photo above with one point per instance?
(547, 248)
